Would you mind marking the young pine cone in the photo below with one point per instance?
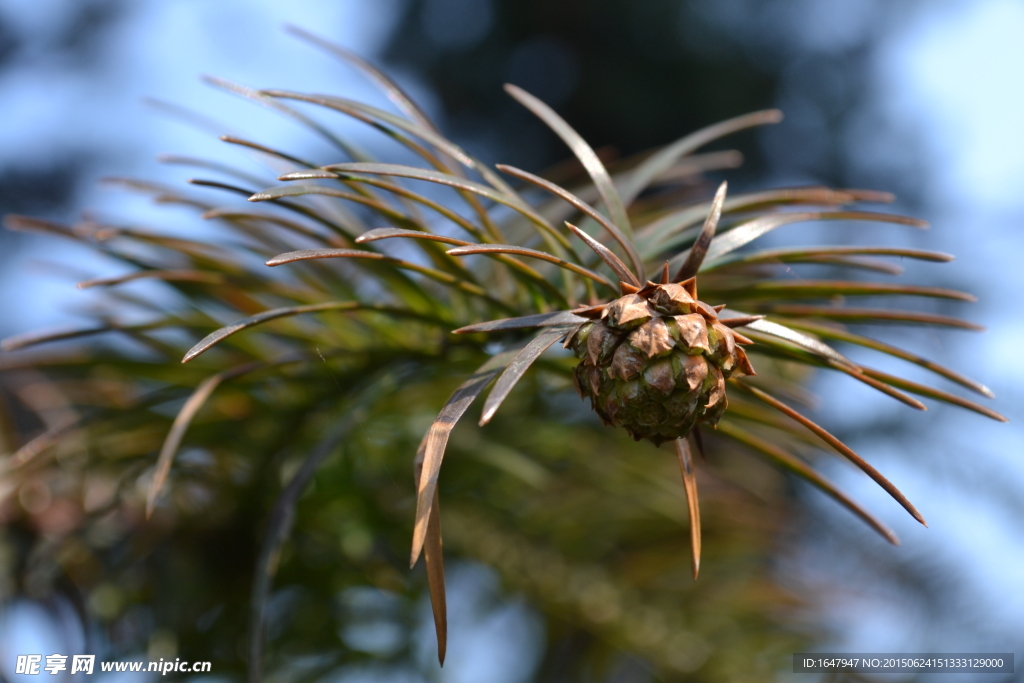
(656, 362)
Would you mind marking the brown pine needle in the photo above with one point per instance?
(433, 556)
(690, 486)
(841, 447)
(614, 262)
(699, 250)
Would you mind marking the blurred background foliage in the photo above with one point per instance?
(568, 556)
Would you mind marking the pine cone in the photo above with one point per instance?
(656, 362)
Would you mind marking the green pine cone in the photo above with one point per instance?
(656, 362)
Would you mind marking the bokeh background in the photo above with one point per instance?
(921, 98)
